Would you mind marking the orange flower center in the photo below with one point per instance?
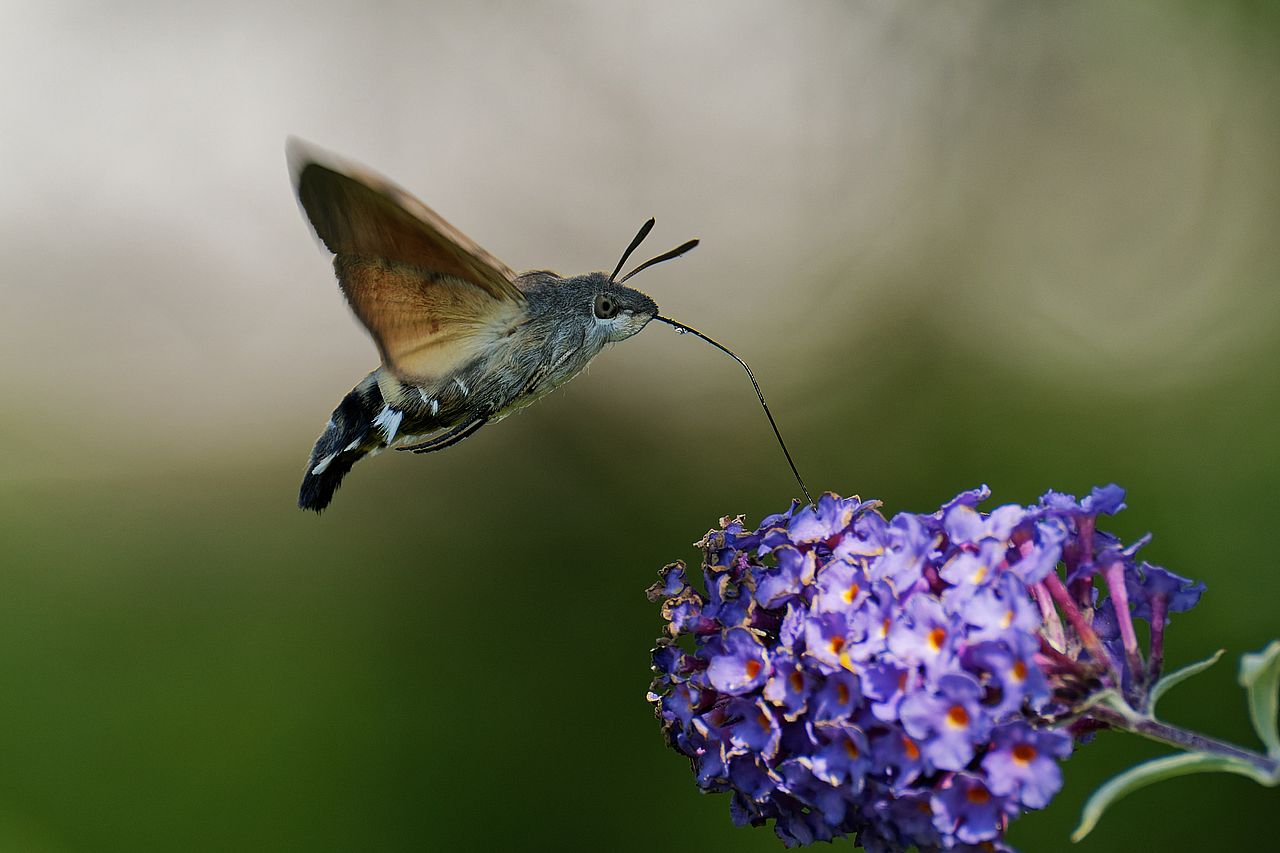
(851, 593)
(1023, 753)
(957, 717)
(1019, 671)
(937, 637)
(753, 668)
(977, 795)
(837, 645)
(910, 748)
(851, 748)
(797, 680)
(842, 693)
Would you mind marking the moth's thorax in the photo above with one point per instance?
(556, 335)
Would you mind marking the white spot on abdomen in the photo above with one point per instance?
(434, 405)
(388, 420)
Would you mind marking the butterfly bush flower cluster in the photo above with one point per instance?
(906, 682)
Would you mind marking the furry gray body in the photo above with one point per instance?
(552, 338)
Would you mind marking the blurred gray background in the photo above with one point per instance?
(1030, 245)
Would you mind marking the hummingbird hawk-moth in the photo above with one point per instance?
(464, 340)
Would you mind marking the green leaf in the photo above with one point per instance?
(1175, 678)
(1158, 770)
(1260, 677)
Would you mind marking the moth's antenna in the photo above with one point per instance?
(682, 328)
(639, 238)
(665, 256)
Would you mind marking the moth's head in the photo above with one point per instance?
(617, 311)
(620, 311)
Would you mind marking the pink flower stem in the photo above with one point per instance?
(1085, 525)
(1159, 611)
(1052, 624)
(1082, 587)
(1082, 627)
(1050, 660)
(1114, 573)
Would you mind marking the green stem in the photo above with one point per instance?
(1154, 729)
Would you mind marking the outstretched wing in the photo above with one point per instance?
(430, 297)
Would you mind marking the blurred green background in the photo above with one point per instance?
(1031, 245)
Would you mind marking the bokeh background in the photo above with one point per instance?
(1031, 245)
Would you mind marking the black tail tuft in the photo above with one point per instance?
(317, 489)
(341, 446)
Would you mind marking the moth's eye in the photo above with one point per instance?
(605, 307)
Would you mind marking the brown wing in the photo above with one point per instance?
(425, 326)
(430, 297)
(357, 212)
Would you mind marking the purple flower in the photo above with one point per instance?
(826, 639)
(843, 758)
(1039, 549)
(966, 810)
(789, 686)
(1008, 675)
(993, 609)
(751, 729)
(909, 542)
(924, 633)
(902, 682)
(897, 759)
(884, 683)
(741, 664)
(837, 699)
(799, 780)
(793, 572)
(1180, 594)
(964, 525)
(819, 523)
(1023, 763)
(975, 568)
(842, 588)
(1104, 500)
(949, 722)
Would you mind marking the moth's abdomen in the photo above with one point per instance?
(345, 441)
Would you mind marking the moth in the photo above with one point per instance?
(464, 341)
